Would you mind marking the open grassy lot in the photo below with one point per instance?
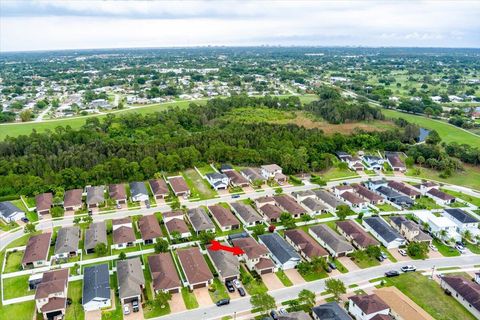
(198, 186)
(425, 202)
(473, 200)
(362, 260)
(75, 310)
(16, 287)
(336, 173)
(386, 207)
(18, 311)
(429, 295)
(447, 132)
(470, 177)
(189, 299)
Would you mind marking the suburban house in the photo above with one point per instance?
(366, 307)
(256, 256)
(403, 188)
(283, 254)
(355, 164)
(409, 229)
(195, 268)
(288, 204)
(295, 315)
(179, 186)
(95, 234)
(225, 263)
(218, 181)
(263, 201)
(164, 273)
(149, 229)
(330, 311)
(9, 212)
(51, 294)
(236, 179)
(123, 234)
(72, 200)
(395, 162)
(159, 188)
(302, 195)
(224, 218)
(374, 162)
(354, 233)
(224, 168)
(304, 244)
(175, 223)
(247, 215)
(368, 195)
(441, 227)
(380, 229)
(314, 206)
(354, 201)
(328, 198)
(130, 279)
(426, 186)
(330, 240)
(36, 251)
(464, 221)
(395, 197)
(96, 293)
(464, 291)
(401, 307)
(138, 191)
(440, 197)
(252, 175)
(43, 203)
(343, 156)
(338, 190)
(95, 196)
(67, 241)
(375, 184)
(271, 212)
(274, 172)
(118, 193)
(200, 220)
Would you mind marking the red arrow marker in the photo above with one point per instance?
(216, 246)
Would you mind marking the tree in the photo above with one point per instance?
(206, 237)
(26, 115)
(307, 297)
(29, 228)
(175, 235)
(122, 256)
(57, 212)
(76, 220)
(161, 245)
(417, 250)
(101, 249)
(87, 219)
(162, 298)
(343, 211)
(287, 220)
(335, 287)
(263, 302)
(373, 251)
(306, 217)
(278, 191)
(258, 230)
(433, 137)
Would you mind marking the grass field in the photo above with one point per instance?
(16, 287)
(199, 187)
(283, 278)
(75, 310)
(14, 261)
(18, 311)
(468, 178)
(337, 173)
(189, 299)
(447, 132)
(473, 200)
(445, 250)
(430, 296)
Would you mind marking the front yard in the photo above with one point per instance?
(189, 299)
(18, 311)
(284, 279)
(252, 286)
(425, 203)
(445, 250)
(220, 291)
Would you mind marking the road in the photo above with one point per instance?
(243, 304)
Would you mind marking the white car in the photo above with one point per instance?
(408, 268)
(237, 283)
(282, 311)
(126, 309)
(433, 248)
(460, 248)
(402, 252)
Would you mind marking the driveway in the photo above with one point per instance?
(348, 263)
(234, 295)
(294, 276)
(398, 256)
(93, 315)
(271, 281)
(203, 297)
(134, 315)
(434, 254)
(176, 303)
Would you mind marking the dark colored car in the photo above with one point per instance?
(223, 302)
(274, 314)
(229, 286)
(380, 258)
(25, 219)
(135, 306)
(241, 291)
(332, 265)
(392, 273)
(328, 269)
(235, 196)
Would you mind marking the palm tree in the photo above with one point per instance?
(467, 234)
(443, 234)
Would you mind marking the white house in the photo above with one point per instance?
(138, 191)
(9, 212)
(365, 307)
(273, 171)
(96, 293)
(439, 225)
(464, 221)
(218, 181)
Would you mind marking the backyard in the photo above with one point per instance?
(75, 310)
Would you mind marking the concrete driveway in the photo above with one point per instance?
(93, 315)
(203, 297)
(348, 263)
(235, 294)
(176, 303)
(134, 315)
(294, 276)
(434, 254)
(398, 256)
(272, 282)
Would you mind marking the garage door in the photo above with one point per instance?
(128, 300)
(174, 290)
(199, 285)
(230, 278)
(265, 271)
(342, 254)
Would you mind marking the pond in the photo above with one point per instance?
(423, 134)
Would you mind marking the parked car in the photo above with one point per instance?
(25, 219)
(147, 204)
(384, 255)
(229, 286)
(380, 258)
(135, 306)
(237, 283)
(392, 273)
(119, 206)
(328, 269)
(282, 311)
(402, 252)
(332, 265)
(274, 314)
(461, 248)
(408, 268)
(223, 302)
(126, 309)
(241, 291)
(432, 247)
(235, 196)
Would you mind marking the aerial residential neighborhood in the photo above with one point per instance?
(242, 160)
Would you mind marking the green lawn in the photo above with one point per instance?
(445, 250)
(14, 261)
(386, 207)
(336, 173)
(115, 314)
(199, 187)
(430, 296)
(425, 202)
(283, 277)
(362, 260)
(470, 177)
(447, 132)
(475, 248)
(220, 291)
(18, 311)
(16, 287)
(473, 200)
(152, 310)
(189, 299)
(254, 286)
(75, 310)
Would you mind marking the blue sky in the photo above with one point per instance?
(50, 25)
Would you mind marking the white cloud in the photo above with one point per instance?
(45, 25)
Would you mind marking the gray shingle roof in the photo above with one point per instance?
(279, 247)
(95, 234)
(331, 238)
(67, 240)
(330, 311)
(95, 195)
(138, 188)
(246, 212)
(461, 215)
(314, 204)
(382, 228)
(96, 283)
(130, 277)
(200, 220)
(226, 263)
(8, 209)
(328, 198)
